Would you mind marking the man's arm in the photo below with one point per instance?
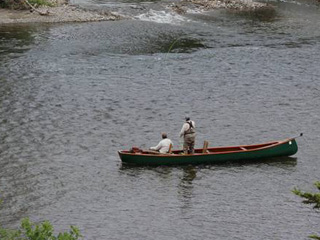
(158, 147)
(183, 129)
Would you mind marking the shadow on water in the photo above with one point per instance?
(189, 171)
(187, 174)
(223, 16)
(186, 45)
(165, 44)
(185, 185)
(277, 162)
(266, 14)
(15, 39)
(5, 92)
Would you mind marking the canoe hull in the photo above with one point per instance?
(283, 148)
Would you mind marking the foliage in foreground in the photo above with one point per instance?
(42, 231)
(310, 198)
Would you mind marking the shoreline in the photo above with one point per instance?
(59, 14)
(71, 13)
(184, 6)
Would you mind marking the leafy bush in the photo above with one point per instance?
(41, 3)
(310, 198)
(42, 231)
(21, 4)
(13, 4)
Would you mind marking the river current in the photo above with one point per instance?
(72, 95)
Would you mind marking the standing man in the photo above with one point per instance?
(188, 133)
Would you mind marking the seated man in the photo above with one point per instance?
(164, 145)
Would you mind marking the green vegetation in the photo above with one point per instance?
(21, 4)
(41, 3)
(310, 198)
(10, 4)
(42, 231)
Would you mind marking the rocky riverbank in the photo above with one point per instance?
(64, 13)
(207, 5)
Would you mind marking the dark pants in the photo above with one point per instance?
(188, 144)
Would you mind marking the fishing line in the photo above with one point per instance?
(166, 58)
(170, 76)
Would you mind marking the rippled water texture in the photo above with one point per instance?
(71, 95)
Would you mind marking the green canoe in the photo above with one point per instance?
(213, 155)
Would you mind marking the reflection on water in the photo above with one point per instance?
(164, 43)
(5, 93)
(190, 170)
(166, 175)
(185, 187)
(15, 39)
(189, 174)
(276, 162)
(267, 14)
(184, 45)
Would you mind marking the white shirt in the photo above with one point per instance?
(163, 146)
(186, 127)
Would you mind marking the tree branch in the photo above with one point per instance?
(36, 10)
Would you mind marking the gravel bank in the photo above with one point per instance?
(65, 13)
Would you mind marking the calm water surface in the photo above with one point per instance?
(71, 95)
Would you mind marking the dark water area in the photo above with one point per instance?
(72, 95)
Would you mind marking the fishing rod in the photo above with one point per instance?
(300, 135)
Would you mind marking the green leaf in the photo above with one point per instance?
(314, 237)
(310, 198)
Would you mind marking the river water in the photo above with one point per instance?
(71, 95)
